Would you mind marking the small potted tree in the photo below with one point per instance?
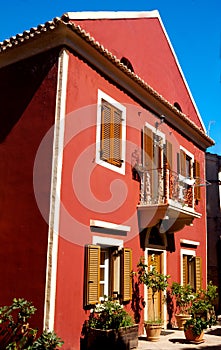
(156, 282)
(109, 327)
(183, 298)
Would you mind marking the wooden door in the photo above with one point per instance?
(155, 261)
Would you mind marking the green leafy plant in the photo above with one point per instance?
(202, 310)
(197, 324)
(183, 296)
(15, 332)
(109, 314)
(153, 279)
(47, 340)
(203, 303)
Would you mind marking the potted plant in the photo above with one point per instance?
(156, 282)
(202, 313)
(110, 326)
(183, 298)
(15, 332)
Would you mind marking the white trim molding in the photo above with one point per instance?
(189, 242)
(112, 14)
(109, 225)
(107, 242)
(54, 216)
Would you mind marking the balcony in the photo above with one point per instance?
(167, 198)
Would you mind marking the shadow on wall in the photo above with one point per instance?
(18, 84)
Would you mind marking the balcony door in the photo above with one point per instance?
(153, 145)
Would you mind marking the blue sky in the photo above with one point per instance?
(193, 26)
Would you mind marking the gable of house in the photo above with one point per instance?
(141, 38)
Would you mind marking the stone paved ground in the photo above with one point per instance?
(175, 339)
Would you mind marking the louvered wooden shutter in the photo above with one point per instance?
(92, 274)
(126, 268)
(185, 270)
(182, 163)
(148, 147)
(198, 273)
(105, 131)
(196, 175)
(116, 138)
(169, 155)
(111, 134)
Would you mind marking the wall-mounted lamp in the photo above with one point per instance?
(162, 119)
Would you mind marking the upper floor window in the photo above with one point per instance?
(111, 133)
(189, 170)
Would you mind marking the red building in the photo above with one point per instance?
(102, 157)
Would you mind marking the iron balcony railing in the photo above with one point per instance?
(159, 186)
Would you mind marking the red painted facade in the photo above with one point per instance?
(88, 191)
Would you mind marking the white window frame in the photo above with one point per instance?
(105, 282)
(104, 96)
(191, 156)
(182, 253)
(157, 132)
(105, 242)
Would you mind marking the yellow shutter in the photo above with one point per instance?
(182, 163)
(169, 155)
(116, 138)
(148, 147)
(198, 273)
(105, 131)
(126, 268)
(197, 180)
(92, 274)
(111, 134)
(185, 270)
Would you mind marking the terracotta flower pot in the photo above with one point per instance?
(153, 331)
(181, 319)
(189, 334)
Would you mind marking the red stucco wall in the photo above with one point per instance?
(85, 186)
(28, 91)
(143, 42)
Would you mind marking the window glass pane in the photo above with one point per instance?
(102, 291)
(102, 274)
(102, 258)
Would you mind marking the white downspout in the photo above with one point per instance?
(54, 214)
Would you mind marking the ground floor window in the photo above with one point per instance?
(107, 273)
(191, 270)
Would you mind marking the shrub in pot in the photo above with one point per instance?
(183, 298)
(156, 282)
(202, 313)
(110, 326)
(16, 333)
(203, 303)
(193, 329)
